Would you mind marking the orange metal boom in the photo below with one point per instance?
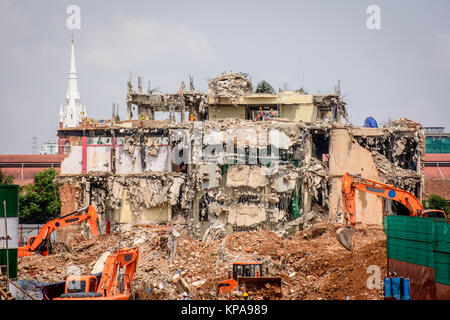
(115, 283)
(122, 258)
(345, 235)
(34, 243)
(380, 189)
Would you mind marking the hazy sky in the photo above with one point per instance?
(401, 70)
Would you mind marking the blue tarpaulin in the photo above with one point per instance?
(370, 123)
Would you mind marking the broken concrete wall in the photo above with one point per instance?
(403, 147)
(98, 158)
(154, 214)
(231, 85)
(72, 163)
(246, 215)
(224, 112)
(346, 155)
(146, 191)
(142, 198)
(219, 188)
(398, 149)
(391, 154)
(140, 151)
(251, 176)
(242, 175)
(127, 163)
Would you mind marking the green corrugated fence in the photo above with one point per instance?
(422, 241)
(437, 144)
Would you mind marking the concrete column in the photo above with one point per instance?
(196, 208)
(84, 156)
(171, 114)
(152, 113)
(307, 199)
(113, 153)
(139, 112)
(129, 113)
(183, 110)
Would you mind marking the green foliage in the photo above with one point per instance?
(6, 179)
(39, 201)
(438, 203)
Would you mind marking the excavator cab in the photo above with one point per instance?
(431, 213)
(248, 275)
(247, 270)
(81, 284)
(45, 248)
(81, 287)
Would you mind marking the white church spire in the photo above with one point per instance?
(73, 110)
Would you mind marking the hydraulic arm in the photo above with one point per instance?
(40, 243)
(351, 183)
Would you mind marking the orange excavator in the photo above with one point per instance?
(41, 243)
(415, 208)
(115, 283)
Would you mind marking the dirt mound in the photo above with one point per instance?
(311, 263)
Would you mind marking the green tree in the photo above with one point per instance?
(437, 202)
(4, 179)
(39, 201)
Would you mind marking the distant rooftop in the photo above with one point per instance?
(434, 130)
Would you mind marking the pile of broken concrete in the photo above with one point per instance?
(311, 263)
(230, 85)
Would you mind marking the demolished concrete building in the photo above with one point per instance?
(248, 161)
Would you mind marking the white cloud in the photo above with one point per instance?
(129, 41)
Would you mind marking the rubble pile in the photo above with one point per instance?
(402, 143)
(315, 176)
(403, 122)
(405, 179)
(230, 85)
(311, 263)
(330, 101)
(143, 191)
(90, 123)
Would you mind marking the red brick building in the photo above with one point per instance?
(437, 174)
(23, 167)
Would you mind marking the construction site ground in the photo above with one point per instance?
(312, 264)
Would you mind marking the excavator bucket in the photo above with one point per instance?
(344, 236)
(256, 283)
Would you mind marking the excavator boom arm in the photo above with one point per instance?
(380, 189)
(122, 258)
(57, 223)
(345, 235)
